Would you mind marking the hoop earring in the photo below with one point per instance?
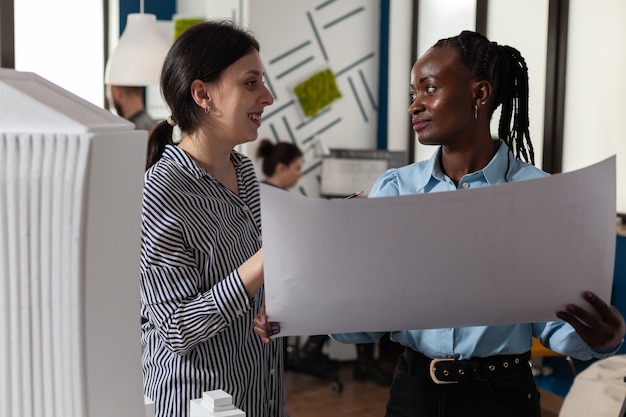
(475, 111)
(207, 110)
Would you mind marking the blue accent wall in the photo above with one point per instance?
(163, 9)
(383, 76)
(619, 281)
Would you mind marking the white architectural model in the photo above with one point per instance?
(216, 403)
(71, 177)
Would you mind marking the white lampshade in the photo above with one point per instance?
(138, 58)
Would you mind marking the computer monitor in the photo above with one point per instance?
(345, 171)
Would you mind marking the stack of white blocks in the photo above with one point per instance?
(216, 403)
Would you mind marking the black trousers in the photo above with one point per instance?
(414, 394)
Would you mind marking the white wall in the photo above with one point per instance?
(63, 47)
(399, 70)
(596, 87)
(524, 26)
(440, 19)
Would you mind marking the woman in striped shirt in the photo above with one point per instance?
(201, 256)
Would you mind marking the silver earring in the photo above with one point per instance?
(475, 111)
(482, 103)
(207, 110)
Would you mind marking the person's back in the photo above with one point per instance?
(128, 103)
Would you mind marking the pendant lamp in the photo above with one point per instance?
(139, 55)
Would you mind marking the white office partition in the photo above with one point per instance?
(524, 26)
(439, 19)
(595, 88)
(70, 209)
(63, 41)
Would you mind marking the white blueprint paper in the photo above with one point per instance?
(503, 254)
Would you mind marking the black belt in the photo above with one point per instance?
(451, 371)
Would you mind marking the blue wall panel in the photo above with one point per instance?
(619, 280)
(163, 9)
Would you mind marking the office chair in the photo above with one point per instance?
(538, 352)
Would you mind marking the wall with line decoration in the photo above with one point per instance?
(336, 37)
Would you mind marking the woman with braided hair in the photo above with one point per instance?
(483, 370)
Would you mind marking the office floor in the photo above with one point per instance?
(308, 396)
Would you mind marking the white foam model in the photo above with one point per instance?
(70, 209)
(216, 403)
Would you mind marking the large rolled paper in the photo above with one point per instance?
(510, 253)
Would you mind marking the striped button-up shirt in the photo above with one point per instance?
(199, 331)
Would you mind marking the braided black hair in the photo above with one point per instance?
(505, 68)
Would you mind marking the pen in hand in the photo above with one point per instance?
(353, 195)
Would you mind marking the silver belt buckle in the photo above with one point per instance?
(433, 367)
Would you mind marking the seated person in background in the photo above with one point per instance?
(128, 103)
(282, 166)
(282, 163)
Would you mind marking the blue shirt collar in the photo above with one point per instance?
(493, 172)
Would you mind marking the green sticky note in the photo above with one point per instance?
(317, 92)
(183, 23)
